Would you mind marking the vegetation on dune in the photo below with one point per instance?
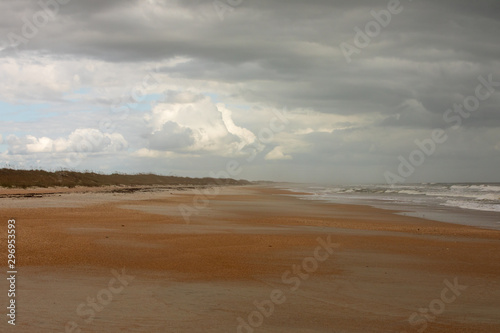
(38, 178)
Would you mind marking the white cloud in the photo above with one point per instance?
(277, 154)
(144, 152)
(196, 124)
(30, 77)
(85, 140)
(246, 136)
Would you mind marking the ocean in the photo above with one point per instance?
(468, 204)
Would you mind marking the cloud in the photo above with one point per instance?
(194, 123)
(246, 136)
(171, 137)
(277, 154)
(85, 140)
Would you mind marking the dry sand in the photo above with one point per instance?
(384, 270)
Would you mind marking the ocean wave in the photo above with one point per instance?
(482, 188)
(437, 193)
(426, 198)
(411, 192)
(472, 205)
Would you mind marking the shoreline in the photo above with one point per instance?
(33, 191)
(414, 207)
(208, 274)
(41, 192)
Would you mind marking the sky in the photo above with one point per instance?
(284, 90)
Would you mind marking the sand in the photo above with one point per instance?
(251, 259)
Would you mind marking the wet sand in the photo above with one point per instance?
(251, 259)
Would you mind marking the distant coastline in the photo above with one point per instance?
(10, 178)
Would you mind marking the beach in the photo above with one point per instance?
(241, 259)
